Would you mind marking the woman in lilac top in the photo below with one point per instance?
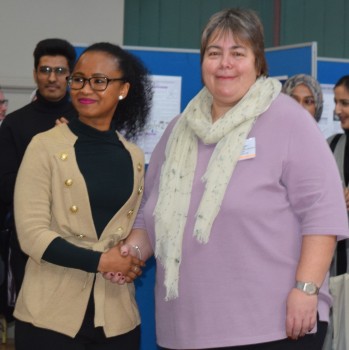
(242, 206)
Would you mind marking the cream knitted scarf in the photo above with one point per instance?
(229, 134)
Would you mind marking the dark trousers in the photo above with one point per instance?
(28, 336)
(308, 342)
(18, 260)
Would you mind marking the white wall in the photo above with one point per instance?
(23, 23)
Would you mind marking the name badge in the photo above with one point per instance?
(249, 149)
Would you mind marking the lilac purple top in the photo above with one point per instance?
(233, 290)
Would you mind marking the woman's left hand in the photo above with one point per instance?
(301, 313)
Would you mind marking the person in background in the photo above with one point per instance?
(3, 110)
(3, 106)
(340, 147)
(77, 193)
(240, 215)
(5, 308)
(53, 61)
(307, 91)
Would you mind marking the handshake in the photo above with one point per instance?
(122, 263)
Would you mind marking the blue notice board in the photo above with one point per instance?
(285, 61)
(329, 70)
(176, 62)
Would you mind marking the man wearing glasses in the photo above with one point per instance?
(3, 106)
(53, 61)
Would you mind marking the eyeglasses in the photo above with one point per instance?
(57, 70)
(3, 103)
(96, 83)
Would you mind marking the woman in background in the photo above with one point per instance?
(307, 91)
(77, 193)
(340, 147)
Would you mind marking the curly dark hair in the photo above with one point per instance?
(132, 113)
(54, 47)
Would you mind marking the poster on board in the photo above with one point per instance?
(166, 105)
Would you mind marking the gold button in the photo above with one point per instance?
(63, 156)
(68, 182)
(74, 209)
(140, 190)
(129, 214)
(139, 167)
(120, 229)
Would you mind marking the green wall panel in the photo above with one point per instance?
(169, 19)
(149, 25)
(189, 23)
(131, 21)
(178, 23)
(336, 36)
(323, 21)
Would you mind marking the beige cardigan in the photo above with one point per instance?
(51, 200)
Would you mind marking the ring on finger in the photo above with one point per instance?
(135, 268)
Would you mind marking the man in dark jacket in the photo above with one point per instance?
(53, 61)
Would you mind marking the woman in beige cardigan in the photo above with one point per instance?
(77, 193)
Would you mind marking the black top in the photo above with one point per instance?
(107, 169)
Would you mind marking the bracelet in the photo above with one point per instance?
(138, 251)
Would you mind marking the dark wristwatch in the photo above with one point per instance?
(308, 288)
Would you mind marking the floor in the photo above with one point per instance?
(6, 335)
(8, 346)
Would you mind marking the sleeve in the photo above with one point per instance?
(313, 182)
(60, 252)
(32, 207)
